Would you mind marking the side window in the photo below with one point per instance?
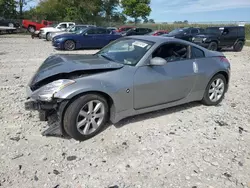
(91, 31)
(45, 23)
(70, 24)
(63, 26)
(194, 31)
(171, 52)
(197, 53)
(233, 31)
(101, 31)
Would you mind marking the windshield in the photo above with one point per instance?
(80, 31)
(213, 30)
(126, 51)
(177, 31)
(71, 28)
(53, 25)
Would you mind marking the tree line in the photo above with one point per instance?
(83, 11)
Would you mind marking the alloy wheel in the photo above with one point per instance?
(90, 117)
(216, 90)
(69, 45)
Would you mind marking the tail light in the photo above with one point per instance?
(224, 59)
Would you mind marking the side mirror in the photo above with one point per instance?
(157, 61)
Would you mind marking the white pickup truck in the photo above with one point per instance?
(44, 32)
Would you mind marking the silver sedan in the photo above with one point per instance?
(130, 76)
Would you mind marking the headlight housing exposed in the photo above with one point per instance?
(47, 92)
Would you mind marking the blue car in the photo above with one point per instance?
(91, 37)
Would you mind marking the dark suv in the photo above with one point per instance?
(137, 31)
(186, 33)
(215, 38)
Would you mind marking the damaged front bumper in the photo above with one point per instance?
(52, 112)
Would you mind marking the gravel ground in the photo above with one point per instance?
(188, 146)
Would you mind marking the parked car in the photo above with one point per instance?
(215, 38)
(158, 32)
(9, 23)
(82, 92)
(33, 26)
(137, 31)
(186, 33)
(71, 29)
(91, 37)
(124, 28)
(45, 32)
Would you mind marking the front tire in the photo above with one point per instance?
(69, 45)
(238, 46)
(47, 36)
(215, 90)
(86, 116)
(213, 46)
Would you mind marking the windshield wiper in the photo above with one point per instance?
(106, 57)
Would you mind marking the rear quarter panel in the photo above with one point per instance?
(207, 69)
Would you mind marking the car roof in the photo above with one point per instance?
(158, 39)
(161, 39)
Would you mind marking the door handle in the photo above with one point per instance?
(195, 67)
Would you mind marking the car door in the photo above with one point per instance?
(102, 37)
(88, 39)
(229, 36)
(155, 85)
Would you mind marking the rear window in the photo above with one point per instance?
(197, 53)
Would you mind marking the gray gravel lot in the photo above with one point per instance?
(191, 146)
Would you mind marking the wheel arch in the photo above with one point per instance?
(64, 105)
(225, 74)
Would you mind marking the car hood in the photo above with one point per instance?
(62, 66)
(66, 35)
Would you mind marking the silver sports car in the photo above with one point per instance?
(130, 76)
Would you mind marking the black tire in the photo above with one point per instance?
(69, 45)
(31, 29)
(213, 46)
(238, 46)
(219, 49)
(47, 36)
(70, 118)
(206, 100)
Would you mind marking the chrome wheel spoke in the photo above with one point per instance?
(99, 115)
(215, 96)
(221, 85)
(213, 84)
(97, 107)
(83, 113)
(94, 124)
(86, 128)
(211, 90)
(81, 123)
(90, 106)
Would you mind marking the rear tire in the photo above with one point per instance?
(79, 116)
(215, 90)
(213, 46)
(238, 46)
(69, 45)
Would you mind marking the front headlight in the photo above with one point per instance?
(204, 39)
(47, 92)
